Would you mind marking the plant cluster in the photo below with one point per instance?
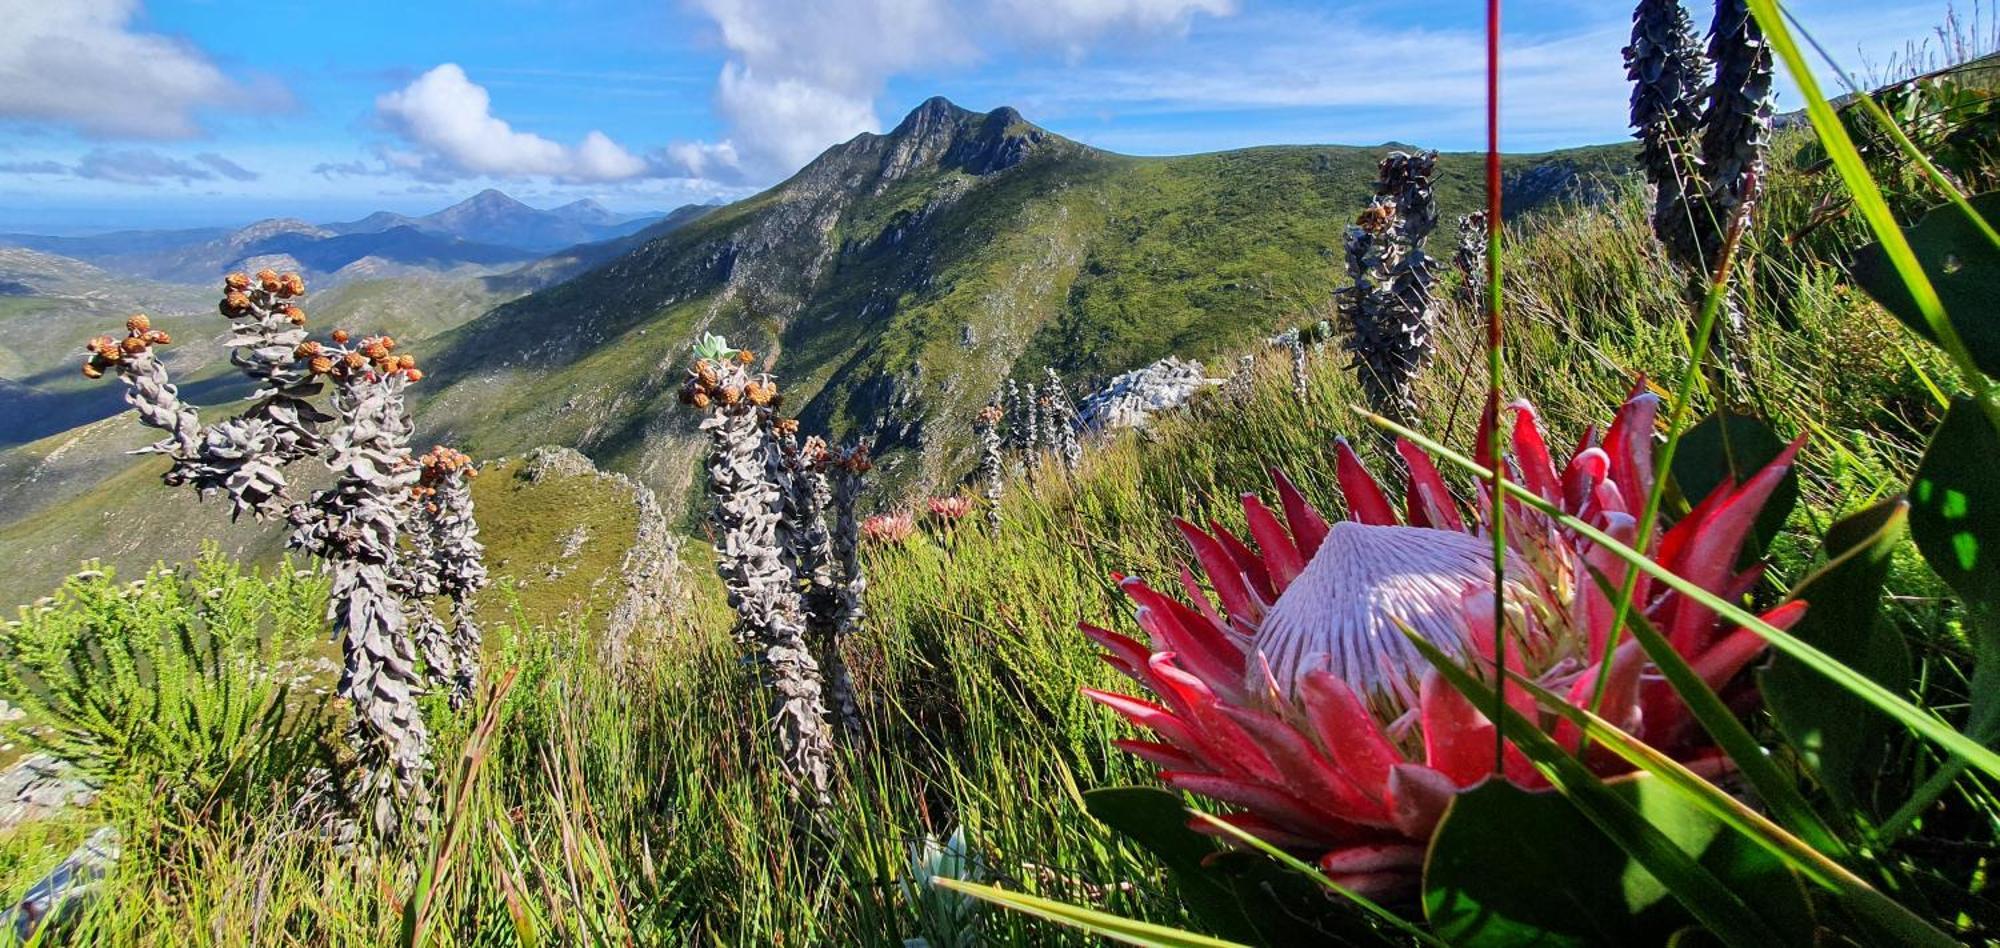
(795, 587)
(383, 574)
(1388, 308)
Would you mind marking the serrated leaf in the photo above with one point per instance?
(1961, 263)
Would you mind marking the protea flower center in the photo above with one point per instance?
(1340, 614)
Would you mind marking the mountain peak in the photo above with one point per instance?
(491, 198)
(940, 132)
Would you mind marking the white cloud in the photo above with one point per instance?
(1074, 23)
(449, 119)
(805, 74)
(80, 64)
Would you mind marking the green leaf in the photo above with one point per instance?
(1248, 899)
(1839, 736)
(1961, 263)
(1728, 448)
(1955, 504)
(1122, 930)
(1566, 883)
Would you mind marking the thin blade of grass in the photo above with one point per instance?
(1299, 866)
(1698, 890)
(1122, 930)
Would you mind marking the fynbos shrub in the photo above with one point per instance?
(1388, 308)
(747, 479)
(379, 575)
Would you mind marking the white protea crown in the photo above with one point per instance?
(1337, 614)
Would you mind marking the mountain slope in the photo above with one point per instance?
(897, 279)
(891, 285)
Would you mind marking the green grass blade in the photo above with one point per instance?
(1122, 930)
(1864, 899)
(1772, 786)
(1863, 687)
(1299, 866)
(1714, 904)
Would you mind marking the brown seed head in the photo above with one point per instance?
(138, 323)
(158, 337)
(340, 337)
(236, 281)
(91, 371)
(296, 315)
(267, 278)
(745, 356)
(786, 426)
(354, 360)
(291, 284)
(133, 345)
(100, 343)
(699, 399)
(731, 394)
(406, 361)
(761, 393)
(414, 375)
(235, 303)
(705, 374)
(307, 349)
(321, 365)
(990, 415)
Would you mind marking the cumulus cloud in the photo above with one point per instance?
(141, 166)
(448, 119)
(805, 74)
(82, 65)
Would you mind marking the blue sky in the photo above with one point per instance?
(147, 113)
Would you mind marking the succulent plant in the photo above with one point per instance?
(1388, 309)
(746, 480)
(810, 551)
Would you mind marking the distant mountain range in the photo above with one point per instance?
(488, 232)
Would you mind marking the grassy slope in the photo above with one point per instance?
(970, 662)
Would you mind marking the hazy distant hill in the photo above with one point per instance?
(488, 231)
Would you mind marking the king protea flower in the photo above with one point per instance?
(1299, 700)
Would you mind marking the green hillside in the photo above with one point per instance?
(890, 285)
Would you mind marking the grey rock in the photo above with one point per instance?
(1130, 400)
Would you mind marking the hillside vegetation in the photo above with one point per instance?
(608, 807)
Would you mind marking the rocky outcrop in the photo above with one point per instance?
(649, 579)
(1130, 400)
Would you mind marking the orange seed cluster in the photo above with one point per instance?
(705, 386)
(108, 351)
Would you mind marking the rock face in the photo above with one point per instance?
(1130, 400)
(39, 785)
(649, 578)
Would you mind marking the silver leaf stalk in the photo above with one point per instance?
(992, 470)
(457, 561)
(1388, 309)
(847, 470)
(1669, 74)
(809, 550)
(745, 482)
(1470, 259)
(1061, 420)
(354, 527)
